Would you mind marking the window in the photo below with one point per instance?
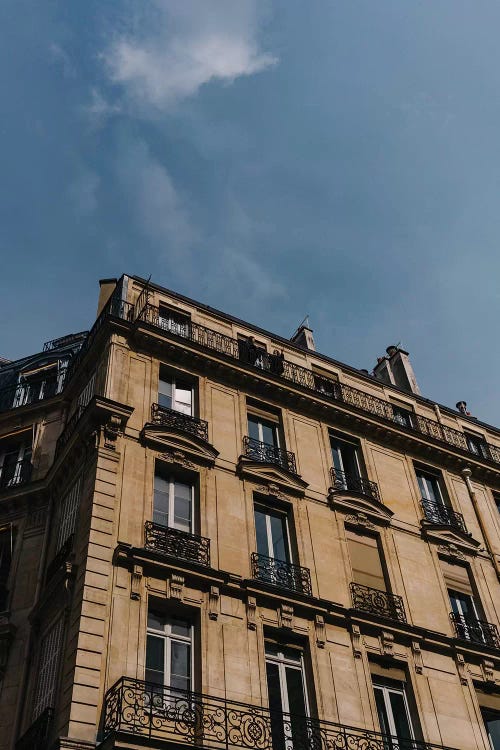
(492, 723)
(253, 352)
(173, 503)
(477, 445)
(264, 429)
(68, 514)
(48, 664)
(346, 462)
(403, 415)
(6, 551)
(271, 530)
(173, 321)
(326, 382)
(393, 712)
(465, 609)
(169, 651)
(430, 487)
(366, 562)
(287, 691)
(15, 463)
(175, 393)
(40, 383)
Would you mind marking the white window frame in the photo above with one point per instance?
(168, 323)
(355, 448)
(172, 381)
(23, 449)
(268, 513)
(171, 501)
(260, 419)
(386, 690)
(282, 662)
(168, 637)
(426, 476)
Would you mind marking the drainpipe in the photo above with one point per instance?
(29, 641)
(467, 473)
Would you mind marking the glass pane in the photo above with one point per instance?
(183, 397)
(180, 627)
(492, 722)
(275, 706)
(381, 710)
(400, 715)
(269, 434)
(337, 457)
(155, 654)
(261, 533)
(180, 665)
(253, 428)
(160, 501)
(165, 394)
(295, 689)
(462, 604)
(182, 507)
(155, 621)
(279, 539)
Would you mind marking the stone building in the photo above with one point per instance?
(215, 537)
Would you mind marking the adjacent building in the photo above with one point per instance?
(211, 536)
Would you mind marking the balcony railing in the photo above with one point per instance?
(377, 602)
(342, 482)
(301, 376)
(22, 394)
(176, 543)
(269, 454)
(443, 515)
(155, 712)
(476, 631)
(179, 421)
(281, 573)
(18, 473)
(36, 738)
(60, 558)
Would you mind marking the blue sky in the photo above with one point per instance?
(337, 158)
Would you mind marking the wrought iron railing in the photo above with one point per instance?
(37, 736)
(60, 558)
(179, 421)
(266, 453)
(377, 602)
(15, 474)
(177, 543)
(32, 392)
(342, 482)
(69, 428)
(443, 515)
(156, 712)
(281, 573)
(63, 341)
(476, 631)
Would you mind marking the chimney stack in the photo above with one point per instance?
(395, 369)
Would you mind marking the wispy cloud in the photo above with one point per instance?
(172, 48)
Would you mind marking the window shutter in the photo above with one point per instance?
(365, 561)
(69, 511)
(48, 663)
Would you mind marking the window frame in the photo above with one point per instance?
(398, 688)
(172, 479)
(172, 378)
(265, 419)
(353, 445)
(24, 449)
(283, 515)
(178, 322)
(437, 477)
(168, 638)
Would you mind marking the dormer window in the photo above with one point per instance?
(477, 444)
(173, 321)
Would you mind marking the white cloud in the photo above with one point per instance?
(176, 46)
(99, 109)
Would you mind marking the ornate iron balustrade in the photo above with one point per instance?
(377, 602)
(32, 392)
(269, 454)
(281, 573)
(36, 738)
(305, 378)
(62, 341)
(18, 473)
(60, 558)
(179, 421)
(342, 482)
(176, 543)
(149, 711)
(443, 515)
(476, 631)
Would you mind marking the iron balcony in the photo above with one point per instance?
(443, 515)
(281, 573)
(152, 712)
(476, 631)
(342, 482)
(377, 602)
(269, 454)
(178, 544)
(179, 421)
(18, 473)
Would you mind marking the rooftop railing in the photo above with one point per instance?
(176, 543)
(179, 421)
(271, 454)
(377, 602)
(343, 482)
(280, 573)
(152, 712)
(443, 515)
(474, 630)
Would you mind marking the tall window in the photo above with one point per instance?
(287, 691)
(393, 711)
(175, 393)
(264, 429)
(15, 463)
(346, 460)
(465, 608)
(169, 651)
(48, 665)
(68, 513)
(477, 445)
(271, 530)
(366, 562)
(173, 503)
(6, 551)
(430, 487)
(403, 415)
(39, 383)
(492, 724)
(173, 321)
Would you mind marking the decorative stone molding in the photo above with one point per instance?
(319, 624)
(387, 643)
(359, 519)
(177, 457)
(273, 490)
(251, 613)
(417, 657)
(176, 586)
(451, 551)
(356, 641)
(461, 668)
(285, 616)
(488, 671)
(112, 429)
(213, 602)
(135, 582)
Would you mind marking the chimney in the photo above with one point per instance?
(395, 369)
(303, 337)
(107, 287)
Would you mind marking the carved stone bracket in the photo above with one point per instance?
(487, 669)
(273, 490)
(135, 582)
(417, 657)
(319, 624)
(451, 551)
(359, 519)
(285, 616)
(177, 457)
(213, 602)
(387, 643)
(356, 641)
(251, 612)
(176, 586)
(461, 668)
(112, 429)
